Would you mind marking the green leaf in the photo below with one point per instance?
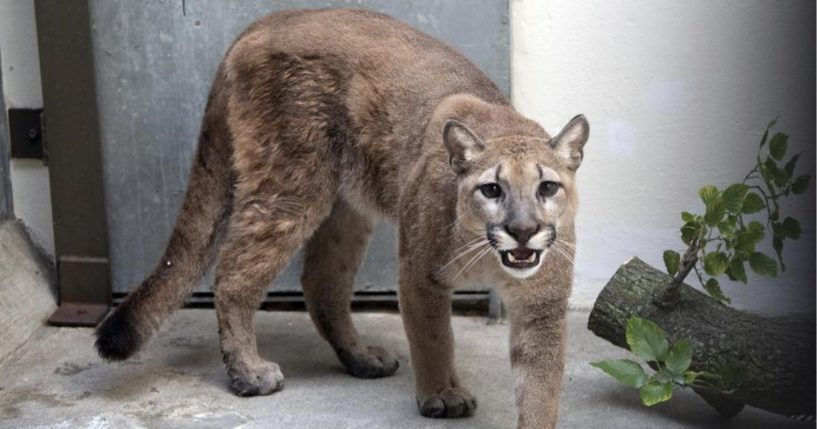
(753, 203)
(687, 216)
(790, 166)
(690, 376)
(764, 170)
(664, 374)
(738, 270)
(791, 228)
(726, 230)
(744, 247)
(746, 239)
(766, 133)
(757, 230)
(778, 145)
(679, 357)
(763, 265)
(777, 243)
(654, 392)
(772, 173)
(800, 184)
(708, 194)
(733, 197)
(713, 288)
(672, 260)
(730, 375)
(625, 371)
(646, 339)
(777, 229)
(689, 231)
(714, 213)
(715, 263)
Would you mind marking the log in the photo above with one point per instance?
(775, 355)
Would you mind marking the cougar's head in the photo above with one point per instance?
(516, 192)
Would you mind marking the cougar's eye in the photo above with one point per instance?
(548, 189)
(491, 190)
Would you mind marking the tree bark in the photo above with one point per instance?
(775, 356)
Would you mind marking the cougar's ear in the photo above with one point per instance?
(462, 144)
(569, 143)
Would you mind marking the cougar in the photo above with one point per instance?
(321, 122)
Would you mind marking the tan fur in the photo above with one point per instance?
(320, 121)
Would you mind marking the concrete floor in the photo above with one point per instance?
(56, 380)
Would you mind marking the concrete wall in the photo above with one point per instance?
(21, 89)
(26, 282)
(21, 60)
(677, 95)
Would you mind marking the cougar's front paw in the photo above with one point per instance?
(260, 379)
(450, 402)
(371, 362)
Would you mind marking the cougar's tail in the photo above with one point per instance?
(189, 252)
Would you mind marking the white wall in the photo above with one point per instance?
(677, 95)
(21, 60)
(21, 89)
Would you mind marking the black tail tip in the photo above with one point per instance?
(117, 337)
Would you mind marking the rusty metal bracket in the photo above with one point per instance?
(71, 314)
(26, 134)
(81, 299)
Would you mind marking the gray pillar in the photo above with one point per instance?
(6, 206)
(75, 162)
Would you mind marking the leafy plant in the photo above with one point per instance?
(723, 239)
(669, 365)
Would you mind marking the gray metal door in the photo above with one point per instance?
(154, 62)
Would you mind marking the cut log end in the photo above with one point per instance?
(775, 356)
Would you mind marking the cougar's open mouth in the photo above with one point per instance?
(520, 258)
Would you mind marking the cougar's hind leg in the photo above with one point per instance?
(284, 188)
(263, 234)
(287, 129)
(332, 257)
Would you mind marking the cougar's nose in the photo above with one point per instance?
(522, 232)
